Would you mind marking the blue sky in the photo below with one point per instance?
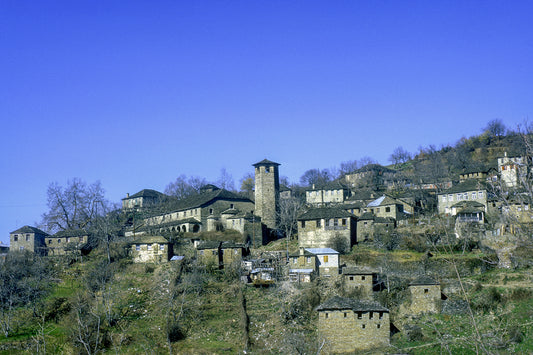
(136, 93)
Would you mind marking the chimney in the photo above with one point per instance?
(313, 186)
(301, 251)
(127, 194)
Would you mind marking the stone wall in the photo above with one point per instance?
(346, 331)
(267, 194)
(425, 299)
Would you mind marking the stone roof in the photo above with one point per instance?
(150, 239)
(423, 280)
(332, 185)
(206, 198)
(367, 216)
(384, 220)
(298, 253)
(469, 205)
(363, 196)
(71, 233)
(29, 229)
(265, 162)
(145, 193)
(341, 303)
(231, 245)
(468, 185)
(325, 212)
(209, 244)
(353, 270)
(233, 211)
(357, 204)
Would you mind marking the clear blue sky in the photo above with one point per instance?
(135, 93)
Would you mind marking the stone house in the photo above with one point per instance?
(512, 170)
(208, 253)
(386, 207)
(426, 296)
(66, 242)
(28, 238)
(303, 266)
(470, 190)
(360, 281)
(285, 192)
(327, 227)
(204, 212)
(372, 175)
(232, 253)
(142, 199)
(327, 261)
(347, 325)
(151, 249)
(331, 193)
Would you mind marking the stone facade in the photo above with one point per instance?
(66, 242)
(426, 296)
(28, 238)
(151, 249)
(267, 192)
(470, 190)
(143, 198)
(327, 228)
(360, 281)
(332, 193)
(347, 325)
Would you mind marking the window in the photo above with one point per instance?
(474, 195)
(294, 260)
(231, 205)
(480, 195)
(318, 223)
(308, 260)
(149, 246)
(380, 315)
(326, 258)
(363, 278)
(327, 315)
(267, 169)
(138, 247)
(377, 210)
(210, 211)
(344, 221)
(466, 195)
(201, 252)
(387, 209)
(345, 314)
(15, 238)
(58, 240)
(426, 290)
(351, 278)
(379, 326)
(27, 238)
(335, 222)
(21, 248)
(49, 241)
(161, 247)
(363, 326)
(443, 198)
(450, 198)
(371, 315)
(303, 224)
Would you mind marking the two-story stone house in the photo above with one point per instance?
(327, 227)
(142, 199)
(329, 194)
(66, 242)
(470, 190)
(346, 325)
(28, 238)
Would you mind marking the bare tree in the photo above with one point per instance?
(185, 186)
(315, 177)
(73, 206)
(496, 128)
(399, 156)
(225, 181)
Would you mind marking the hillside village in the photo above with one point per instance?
(376, 260)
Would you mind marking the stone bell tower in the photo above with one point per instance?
(267, 192)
